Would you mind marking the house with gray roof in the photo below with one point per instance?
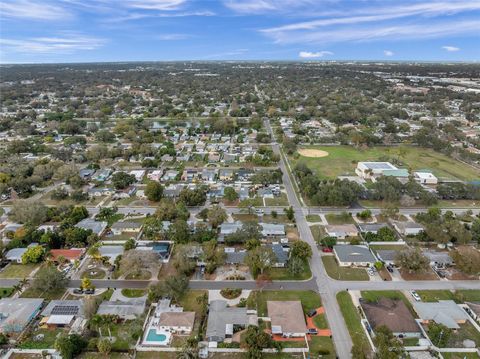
(407, 228)
(222, 320)
(353, 255)
(445, 312)
(227, 229)
(437, 258)
(120, 227)
(111, 252)
(90, 224)
(272, 230)
(125, 309)
(16, 313)
(387, 255)
(15, 255)
(234, 257)
(63, 307)
(281, 254)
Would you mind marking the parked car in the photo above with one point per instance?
(89, 291)
(77, 291)
(327, 250)
(312, 331)
(415, 296)
(390, 269)
(312, 313)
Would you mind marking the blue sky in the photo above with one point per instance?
(151, 30)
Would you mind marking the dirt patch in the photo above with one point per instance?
(310, 152)
(429, 275)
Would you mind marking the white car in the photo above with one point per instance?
(415, 296)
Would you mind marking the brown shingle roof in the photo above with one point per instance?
(394, 314)
(288, 315)
(177, 319)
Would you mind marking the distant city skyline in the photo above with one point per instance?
(48, 31)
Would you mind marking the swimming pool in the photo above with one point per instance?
(157, 338)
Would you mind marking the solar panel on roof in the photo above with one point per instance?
(65, 310)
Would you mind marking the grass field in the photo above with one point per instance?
(459, 296)
(284, 273)
(342, 218)
(352, 320)
(343, 273)
(19, 271)
(5, 292)
(342, 160)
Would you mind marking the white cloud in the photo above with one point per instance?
(451, 48)
(388, 53)
(173, 37)
(67, 43)
(313, 55)
(36, 10)
(163, 5)
(372, 33)
(265, 6)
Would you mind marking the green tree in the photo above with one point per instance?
(122, 180)
(290, 213)
(129, 244)
(70, 346)
(467, 259)
(179, 231)
(259, 259)
(33, 254)
(300, 249)
(412, 260)
(439, 334)
(154, 191)
(216, 216)
(230, 194)
(29, 212)
(295, 266)
(104, 346)
(328, 241)
(49, 279)
(256, 340)
(388, 346)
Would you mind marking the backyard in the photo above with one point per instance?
(343, 273)
(342, 160)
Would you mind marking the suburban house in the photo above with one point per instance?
(281, 255)
(227, 229)
(15, 255)
(176, 322)
(407, 228)
(233, 256)
(70, 255)
(119, 228)
(287, 318)
(425, 177)
(438, 259)
(62, 313)
(350, 255)
(111, 252)
(272, 230)
(155, 175)
(393, 314)
(445, 312)
(387, 256)
(223, 319)
(473, 308)
(341, 231)
(90, 224)
(138, 174)
(226, 174)
(170, 175)
(125, 309)
(16, 313)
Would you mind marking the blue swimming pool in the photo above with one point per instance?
(152, 336)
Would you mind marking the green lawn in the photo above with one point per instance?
(342, 218)
(352, 319)
(257, 299)
(281, 200)
(18, 271)
(5, 292)
(47, 342)
(33, 293)
(459, 296)
(321, 346)
(343, 273)
(460, 356)
(393, 247)
(320, 321)
(435, 295)
(313, 218)
(342, 160)
(284, 273)
(318, 232)
(133, 293)
(94, 273)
